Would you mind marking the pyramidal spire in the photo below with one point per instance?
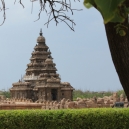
(40, 32)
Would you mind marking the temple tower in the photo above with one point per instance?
(39, 55)
(41, 81)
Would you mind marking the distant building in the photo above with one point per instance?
(41, 82)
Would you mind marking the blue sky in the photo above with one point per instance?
(82, 57)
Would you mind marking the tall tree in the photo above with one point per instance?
(115, 15)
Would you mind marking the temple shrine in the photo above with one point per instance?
(41, 81)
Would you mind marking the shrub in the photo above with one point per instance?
(65, 119)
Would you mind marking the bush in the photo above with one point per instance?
(6, 94)
(89, 94)
(65, 119)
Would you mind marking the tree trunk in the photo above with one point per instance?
(119, 48)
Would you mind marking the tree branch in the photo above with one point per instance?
(58, 10)
(2, 9)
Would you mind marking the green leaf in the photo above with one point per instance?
(122, 33)
(109, 10)
(88, 3)
(117, 18)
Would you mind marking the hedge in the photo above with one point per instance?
(103, 118)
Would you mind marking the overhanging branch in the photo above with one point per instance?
(2, 9)
(58, 10)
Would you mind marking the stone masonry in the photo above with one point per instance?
(41, 81)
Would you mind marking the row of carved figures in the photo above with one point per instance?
(14, 100)
(106, 101)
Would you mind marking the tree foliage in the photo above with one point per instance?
(112, 11)
(6, 94)
(91, 94)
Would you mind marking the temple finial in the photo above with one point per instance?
(40, 32)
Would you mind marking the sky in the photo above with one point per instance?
(82, 56)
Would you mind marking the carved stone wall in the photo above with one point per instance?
(67, 94)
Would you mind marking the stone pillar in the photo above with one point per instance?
(25, 94)
(49, 94)
(43, 94)
(28, 94)
(59, 94)
(15, 94)
(11, 94)
(20, 94)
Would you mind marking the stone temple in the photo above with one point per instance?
(41, 81)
